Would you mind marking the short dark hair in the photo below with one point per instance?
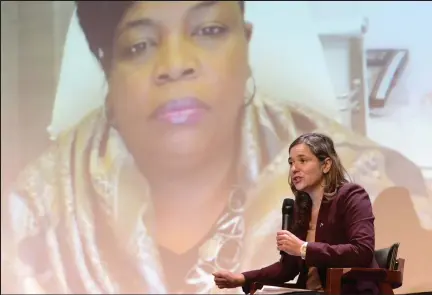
(99, 20)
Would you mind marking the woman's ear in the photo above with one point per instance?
(327, 165)
(248, 29)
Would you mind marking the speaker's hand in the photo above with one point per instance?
(288, 243)
(227, 280)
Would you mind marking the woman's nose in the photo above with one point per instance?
(177, 61)
(174, 74)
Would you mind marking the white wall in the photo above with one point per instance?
(287, 55)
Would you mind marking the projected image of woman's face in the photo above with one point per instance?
(178, 75)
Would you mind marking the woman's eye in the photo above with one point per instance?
(138, 48)
(211, 31)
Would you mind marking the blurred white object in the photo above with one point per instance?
(278, 290)
(343, 44)
(81, 87)
(343, 27)
(427, 100)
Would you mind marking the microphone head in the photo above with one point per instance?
(288, 206)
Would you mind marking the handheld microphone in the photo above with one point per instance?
(287, 211)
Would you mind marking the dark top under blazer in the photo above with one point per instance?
(345, 237)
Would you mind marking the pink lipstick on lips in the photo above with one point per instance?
(182, 111)
(296, 179)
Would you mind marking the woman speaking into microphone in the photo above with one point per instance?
(333, 224)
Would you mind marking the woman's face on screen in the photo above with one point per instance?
(178, 75)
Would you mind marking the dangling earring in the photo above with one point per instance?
(252, 96)
(108, 114)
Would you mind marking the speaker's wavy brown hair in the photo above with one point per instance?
(323, 148)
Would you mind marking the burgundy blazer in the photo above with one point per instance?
(345, 237)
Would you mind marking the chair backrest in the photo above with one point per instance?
(387, 257)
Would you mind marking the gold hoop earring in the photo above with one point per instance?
(251, 98)
(325, 184)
